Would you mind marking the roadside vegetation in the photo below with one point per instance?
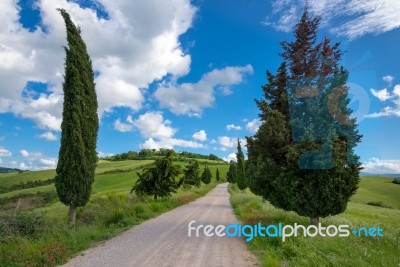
(33, 231)
(326, 251)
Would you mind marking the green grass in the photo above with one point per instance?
(319, 251)
(378, 189)
(111, 210)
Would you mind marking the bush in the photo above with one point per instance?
(396, 180)
(28, 224)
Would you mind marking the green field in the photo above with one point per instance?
(46, 240)
(332, 251)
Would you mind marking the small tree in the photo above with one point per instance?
(159, 180)
(206, 175)
(231, 175)
(77, 156)
(192, 174)
(217, 175)
(240, 168)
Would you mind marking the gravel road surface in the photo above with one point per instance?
(164, 241)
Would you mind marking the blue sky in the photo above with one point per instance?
(184, 74)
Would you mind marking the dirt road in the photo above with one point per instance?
(164, 241)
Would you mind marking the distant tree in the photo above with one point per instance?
(240, 168)
(160, 179)
(77, 156)
(192, 173)
(217, 175)
(206, 175)
(302, 157)
(231, 175)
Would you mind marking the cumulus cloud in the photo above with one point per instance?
(49, 136)
(393, 109)
(233, 127)
(136, 44)
(231, 156)
(33, 161)
(349, 18)
(388, 79)
(4, 152)
(226, 141)
(170, 143)
(382, 95)
(200, 136)
(157, 130)
(192, 98)
(253, 125)
(379, 166)
(24, 153)
(104, 154)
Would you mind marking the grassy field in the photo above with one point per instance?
(44, 238)
(332, 251)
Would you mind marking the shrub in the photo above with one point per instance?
(28, 224)
(396, 180)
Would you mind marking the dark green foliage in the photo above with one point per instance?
(159, 180)
(206, 175)
(217, 175)
(192, 174)
(302, 157)
(231, 175)
(396, 181)
(154, 154)
(240, 168)
(77, 156)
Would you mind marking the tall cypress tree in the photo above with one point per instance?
(231, 174)
(77, 156)
(240, 168)
(302, 156)
(206, 175)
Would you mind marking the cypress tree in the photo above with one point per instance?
(77, 156)
(231, 175)
(217, 175)
(192, 174)
(240, 168)
(206, 175)
(302, 156)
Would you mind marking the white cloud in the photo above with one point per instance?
(226, 141)
(388, 79)
(382, 95)
(137, 44)
(200, 136)
(104, 155)
(379, 166)
(33, 161)
(231, 156)
(233, 127)
(391, 110)
(192, 98)
(150, 125)
(170, 143)
(158, 131)
(4, 152)
(49, 136)
(253, 125)
(24, 153)
(349, 18)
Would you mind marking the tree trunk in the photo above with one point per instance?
(314, 221)
(71, 215)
